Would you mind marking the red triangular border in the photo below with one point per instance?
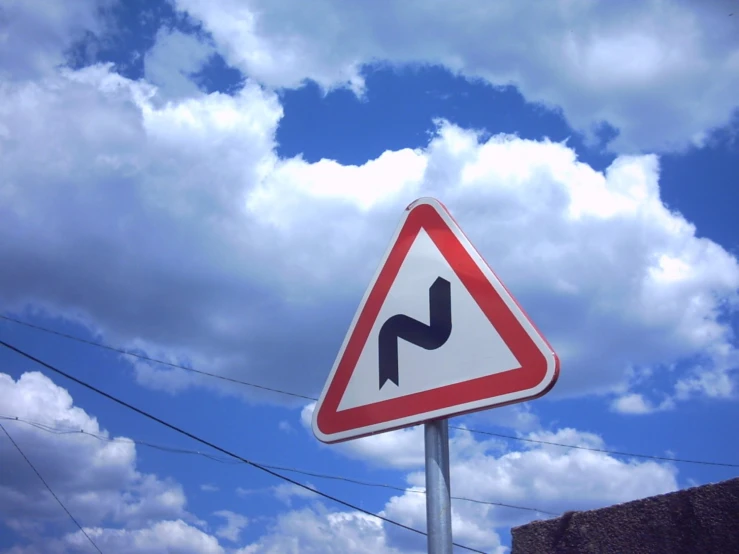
(533, 361)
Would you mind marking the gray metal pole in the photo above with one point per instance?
(438, 501)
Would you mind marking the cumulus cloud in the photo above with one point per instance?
(316, 531)
(173, 61)
(96, 480)
(37, 35)
(235, 523)
(715, 376)
(400, 449)
(635, 403)
(99, 482)
(551, 479)
(663, 75)
(175, 229)
(520, 417)
(547, 478)
(211, 275)
(162, 536)
(285, 492)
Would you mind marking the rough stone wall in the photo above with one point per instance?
(700, 520)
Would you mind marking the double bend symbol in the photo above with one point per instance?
(429, 337)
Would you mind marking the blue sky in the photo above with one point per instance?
(213, 184)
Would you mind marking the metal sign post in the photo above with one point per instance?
(438, 493)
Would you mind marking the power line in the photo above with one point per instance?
(148, 359)
(592, 449)
(74, 431)
(77, 523)
(219, 448)
(305, 397)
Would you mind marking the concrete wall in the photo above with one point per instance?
(701, 520)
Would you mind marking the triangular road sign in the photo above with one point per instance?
(437, 334)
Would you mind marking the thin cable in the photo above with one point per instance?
(71, 431)
(77, 523)
(305, 397)
(58, 431)
(219, 448)
(592, 449)
(148, 359)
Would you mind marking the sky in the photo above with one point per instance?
(212, 184)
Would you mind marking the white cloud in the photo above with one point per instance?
(173, 536)
(191, 206)
(552, 479)
(662, 74)
(410, 509)
(715, 376)
(399, 449)
(36, 34)
(96, 480)
(242, 492)
(631, 404)
(315, 531)
(207, 487)
(635, 403)
(235, 523)
(520, 417)
(190, 216)
(174, 60)
(558, 479)
(285, 492)
(549, 478)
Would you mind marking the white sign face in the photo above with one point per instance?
(437, 334)
(472, 338)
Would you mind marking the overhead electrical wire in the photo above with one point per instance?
(593, 449)
(220, 448)
(306, 397)
(173, 450)
(36, 471)
(148, 359)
